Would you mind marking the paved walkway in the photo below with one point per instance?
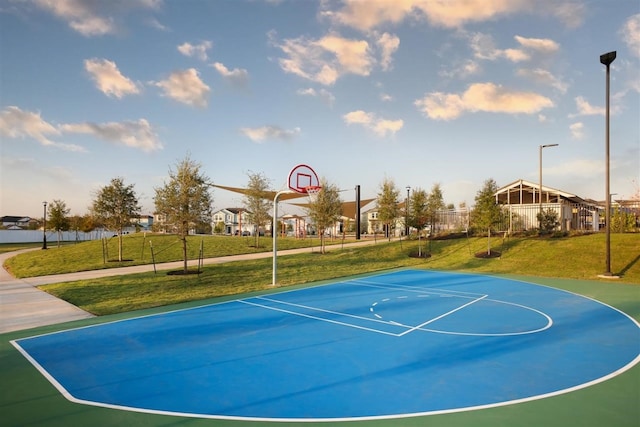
(24, 306)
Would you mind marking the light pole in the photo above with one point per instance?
(44, 227)
(406, 209)
(606, 59)
(540, 189)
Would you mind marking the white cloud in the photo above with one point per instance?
(630, 33)
(93, 18)
(197, 51)
(16, 123)
(379, 126)
(134, 134)
(238, 77)
(108, 78)
(577, 130)
(586, 109)
(485, 97)
(326, 59)
(540, 45)
(263, 133)
(326, 96)
(543, 77)
(388, 44)
(463, 70)
(185, 87)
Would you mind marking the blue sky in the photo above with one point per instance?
(420, 92)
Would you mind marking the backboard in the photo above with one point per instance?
(301, 177)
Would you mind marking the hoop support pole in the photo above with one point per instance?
(275, 235)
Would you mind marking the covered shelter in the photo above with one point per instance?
(523, 200)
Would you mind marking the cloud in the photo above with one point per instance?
(541, 45)
(462, 70)
(367, 15)
(134, 134)
(108, 78)
(185, 87)
(630, 33)
(263, 133)
(586, 109)
(484, 47)
(577, 130)
(485, 97)
(198, 51)
(326, 59)
(90, 17)
(379, 126)
(238, 77)
(544, 77)
(326, 96)
(388, 44)
(16, 123)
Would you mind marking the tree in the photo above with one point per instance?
(418, 214)
(116, 206)
(325, 210)
(548, 221)
(435, 203)
(486, 213)
(185, 201)
(58, 219)
(387, 202)
(258, 203)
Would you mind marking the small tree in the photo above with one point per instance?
(325, 210)
(387, 201)
(418, 214)
(115, 206)
(58, 219)
(548, 221)
(487, 213)
(185, 201)
(435, 203)
(258, 203)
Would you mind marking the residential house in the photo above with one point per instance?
(15, 222)
(234, 220)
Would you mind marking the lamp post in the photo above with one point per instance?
(44, 227)
(540, 189)
(406, 209)
(606, 59)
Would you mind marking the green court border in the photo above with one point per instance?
(29, 399)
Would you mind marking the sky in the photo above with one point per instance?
(420, 92)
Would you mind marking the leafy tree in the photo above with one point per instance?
(58, 219)
(548, 221)
(418, 213)
(258, 203)
(185, 201)
(622, 221)
(325, 210)
(116, 206)
(387, 202)
(435, 203)
(486, 213)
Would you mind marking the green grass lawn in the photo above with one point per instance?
(571, 258)
(137, 249)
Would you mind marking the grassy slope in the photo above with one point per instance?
(574, 258)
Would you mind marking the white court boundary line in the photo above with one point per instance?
(71, 398)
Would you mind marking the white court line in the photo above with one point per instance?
(443, 315)
(449, 293)
(322, 319)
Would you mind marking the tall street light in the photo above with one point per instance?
(406, 211)
(540, 189)
(44, 227)
(606, 59)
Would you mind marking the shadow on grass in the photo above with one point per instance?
(628, 266)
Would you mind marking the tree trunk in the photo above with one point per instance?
(184, 253)
(489, 241)
(120, 246)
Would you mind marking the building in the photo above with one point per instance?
(16, 222)
(234, 221)
(523, 200)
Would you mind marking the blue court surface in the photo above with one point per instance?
(400, 344)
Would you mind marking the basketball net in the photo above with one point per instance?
(312, 192)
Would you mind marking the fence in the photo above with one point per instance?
(32, 236)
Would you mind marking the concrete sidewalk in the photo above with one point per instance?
(24, 306)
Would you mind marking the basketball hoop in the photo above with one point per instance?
(312, 192)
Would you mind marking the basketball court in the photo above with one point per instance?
(401, 344)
